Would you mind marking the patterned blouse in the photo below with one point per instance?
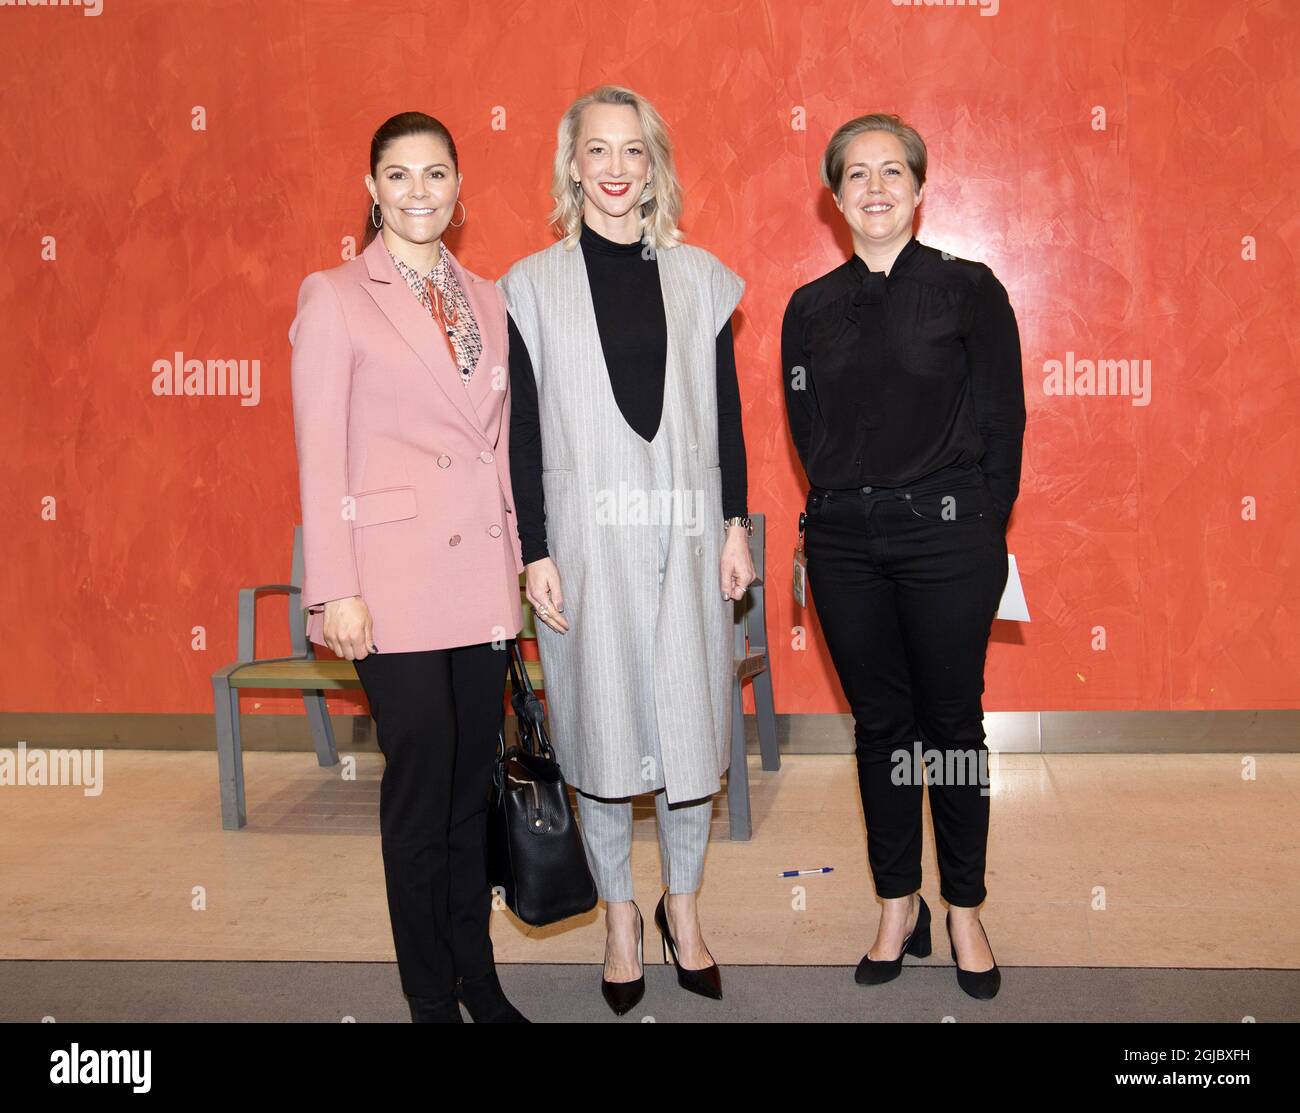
(463, 331)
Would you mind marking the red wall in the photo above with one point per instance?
(1117, 243)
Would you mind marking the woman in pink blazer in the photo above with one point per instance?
(402, 413)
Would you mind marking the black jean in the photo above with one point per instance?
(906, 582)
(437, 714)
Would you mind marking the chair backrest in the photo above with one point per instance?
(750, 625)
(529, 629)
(301, 647)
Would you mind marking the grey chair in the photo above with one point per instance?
(301, 672)
(752, 663)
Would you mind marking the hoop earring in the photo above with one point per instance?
(462, 209)
(374, 212)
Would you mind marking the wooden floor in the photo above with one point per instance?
(1094, 860)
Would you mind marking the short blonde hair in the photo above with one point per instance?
(833, 160)
(662, 203)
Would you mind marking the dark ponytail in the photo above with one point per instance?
(399, 127)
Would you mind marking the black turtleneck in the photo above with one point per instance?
(629, 307)
(905, 374)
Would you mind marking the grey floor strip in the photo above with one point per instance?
(370, 992)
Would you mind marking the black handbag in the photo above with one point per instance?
(535, 851)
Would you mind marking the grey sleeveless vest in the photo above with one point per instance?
(639, 689)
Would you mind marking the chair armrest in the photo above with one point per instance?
(248, 615)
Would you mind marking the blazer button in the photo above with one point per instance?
(699, 550)
(485, 456)
(494, 531)
(454, 539)
(444, 461)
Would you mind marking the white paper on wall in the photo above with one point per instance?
(1013, 607)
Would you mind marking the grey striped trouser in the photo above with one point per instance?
(607, 836)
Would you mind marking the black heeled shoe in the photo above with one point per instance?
(435, 1010)
(706, 982)
(486, 1000)
(981, 984)
(623, 997)
(872, 971)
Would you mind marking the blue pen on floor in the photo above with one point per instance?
(806, 873)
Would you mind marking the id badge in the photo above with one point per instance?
(800, 567)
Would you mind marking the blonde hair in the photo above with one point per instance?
(661, 204)
(913, 145)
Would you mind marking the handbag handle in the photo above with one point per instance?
(528, 708)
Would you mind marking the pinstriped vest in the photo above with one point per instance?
(639, 689)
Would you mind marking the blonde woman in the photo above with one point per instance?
(628, 467)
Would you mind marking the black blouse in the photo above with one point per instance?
(628, 302)
(905, 374)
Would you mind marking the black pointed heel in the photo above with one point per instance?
(623, 997)
(873, 971)
(706, 982)
(980, 984)
(486, 1000)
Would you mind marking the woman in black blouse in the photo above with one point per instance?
(906, 404)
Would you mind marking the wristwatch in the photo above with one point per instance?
(729, 522)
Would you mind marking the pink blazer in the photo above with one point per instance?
(403, 469)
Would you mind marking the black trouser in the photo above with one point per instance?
(906, 581)
(437, 714)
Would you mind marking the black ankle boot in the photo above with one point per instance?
(434, 1010)
(487, 1001)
